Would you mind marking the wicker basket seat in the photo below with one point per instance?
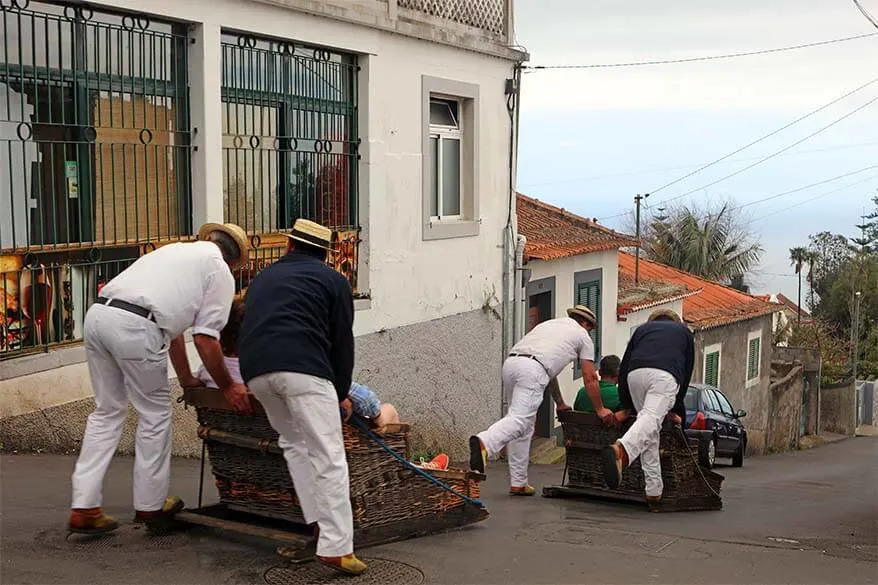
(252, 476)
(687, 486)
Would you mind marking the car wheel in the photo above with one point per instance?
(738, 457)
(707, 452)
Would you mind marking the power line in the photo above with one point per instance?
(806, 187)
(704, 58)
(820, 196)
(769, 135)
(765, 158)
(866, 14)
(692, 166)
(764, 199)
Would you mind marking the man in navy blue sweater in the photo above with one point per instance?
(653, 379)
(296, 350)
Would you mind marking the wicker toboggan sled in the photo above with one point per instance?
(390, 500)
(687, 486)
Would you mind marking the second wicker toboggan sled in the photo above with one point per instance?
(687, 485)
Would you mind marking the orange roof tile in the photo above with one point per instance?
(647, 293)
(784, 300)
(553, 232)
(714, 306)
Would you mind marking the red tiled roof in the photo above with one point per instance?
(647, 293)
(553, 232)
(714, 306)
(791, 305)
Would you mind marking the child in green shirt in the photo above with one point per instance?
(609, 384)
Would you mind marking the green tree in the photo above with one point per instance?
(830, 251)
(711, 243)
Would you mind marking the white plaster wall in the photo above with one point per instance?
(636, 318)
(563, 270)
(409, 280)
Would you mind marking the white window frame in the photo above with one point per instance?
(441, 132)
(755, 380)
(716, 348)
(468, 222)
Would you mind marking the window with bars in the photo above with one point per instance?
(712, 363)
(589, 294)
(289, 125)
(94, 158)
(754, 357)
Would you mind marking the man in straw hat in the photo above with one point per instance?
(297, 356)
(653, 380)
(535, 360)
(136, 323)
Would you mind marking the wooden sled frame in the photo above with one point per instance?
(687, 485)
(296, 537)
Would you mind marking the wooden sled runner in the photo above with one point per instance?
(390, 501)
(687, 486)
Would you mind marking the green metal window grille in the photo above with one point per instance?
(711, 368)
(753, 355)
(94, 158)
(589, 294)
(290, 144)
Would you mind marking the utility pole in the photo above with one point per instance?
(855, 333)
(638, 199)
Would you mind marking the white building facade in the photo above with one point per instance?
(391, 121)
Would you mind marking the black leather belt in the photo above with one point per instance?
(530, 357)
(126, 306)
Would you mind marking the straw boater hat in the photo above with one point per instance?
(584, 312)
(665, 315)
(311, 233)
(233, 231)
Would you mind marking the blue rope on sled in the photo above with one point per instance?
(357, 422)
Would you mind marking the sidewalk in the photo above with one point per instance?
(824, 531)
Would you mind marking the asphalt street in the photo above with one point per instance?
(801, 517)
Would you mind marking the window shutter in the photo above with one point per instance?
(589, 294)
(753, 355)
(711, 369)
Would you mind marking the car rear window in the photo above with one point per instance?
(691, 399)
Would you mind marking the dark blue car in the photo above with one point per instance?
(711, 419)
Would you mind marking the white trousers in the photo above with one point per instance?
(524, 382)
(127, 362)
(304, 411)
(653, 393)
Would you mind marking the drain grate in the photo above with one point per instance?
(127, 537)
(381, 572)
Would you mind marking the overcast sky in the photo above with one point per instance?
(591, 139)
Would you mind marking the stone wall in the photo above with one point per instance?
(785, 406)
(837, 410)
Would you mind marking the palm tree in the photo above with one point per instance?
(798, 257)
(709, 244)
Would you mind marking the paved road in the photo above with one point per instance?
(804, 517)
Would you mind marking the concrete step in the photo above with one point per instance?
(546, 452)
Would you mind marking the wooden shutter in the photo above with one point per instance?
(711, 369)
(589, 294)
(753, 355)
